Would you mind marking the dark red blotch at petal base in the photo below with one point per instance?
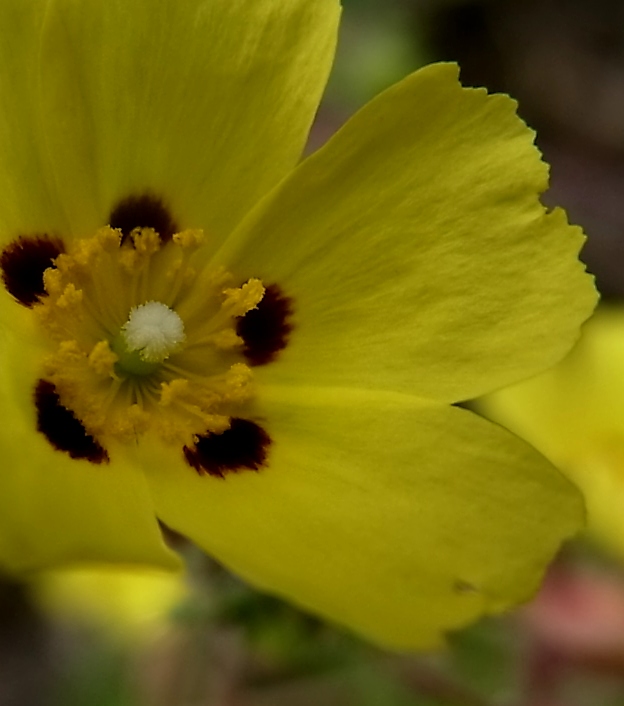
(23, 263)
(266, 328)
(145, 211)
(241, 447)
(61, 428)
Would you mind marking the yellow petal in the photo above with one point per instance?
(574, 413)
(205, 104)
(415, 249)
(396, 517)
(28, 204)
(54, 509)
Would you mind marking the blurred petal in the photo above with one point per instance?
(574, 413)
(396, 517)
(415, 249)
(127, 603)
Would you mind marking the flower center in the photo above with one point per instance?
(143, 340)
(151, 334)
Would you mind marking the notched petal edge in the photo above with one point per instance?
(61, 428)
(243, 446)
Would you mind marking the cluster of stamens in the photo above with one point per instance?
(142, 340)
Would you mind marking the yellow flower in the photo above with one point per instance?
(574, 414)
(264, 356)
(131, 605)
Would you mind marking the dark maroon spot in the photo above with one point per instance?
(61, 428)
(241, 447)
(265, 329)
(144, 211)
(23, 263)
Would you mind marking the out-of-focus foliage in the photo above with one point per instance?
(377, 47)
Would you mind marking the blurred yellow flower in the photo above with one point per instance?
(574, 414)
(126, 604)
(264, 355)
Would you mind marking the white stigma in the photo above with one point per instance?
(154, 330)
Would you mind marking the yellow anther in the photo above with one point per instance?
(239, 301)
(174, 390)
(189, 239)
(53, 281)
(237, 383)
(109, 239)
(70, 297)
(216, 423)
(102, 359)
(86, 252)
(70, 350)
(146, 241)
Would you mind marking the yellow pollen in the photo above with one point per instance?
(102, 359)
(144, 338)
